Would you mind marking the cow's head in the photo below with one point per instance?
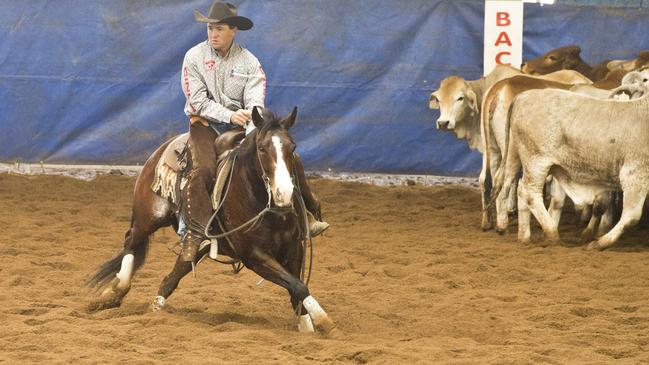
(563, 58)
(456, 102)
(636, 78)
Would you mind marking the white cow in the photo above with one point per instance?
(591, 146)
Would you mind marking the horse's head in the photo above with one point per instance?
(275, 149)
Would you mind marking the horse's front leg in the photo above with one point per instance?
(293, 264)
(170, 282)
(268, 268)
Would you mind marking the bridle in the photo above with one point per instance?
(254, 222)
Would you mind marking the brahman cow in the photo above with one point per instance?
(564, 58)
(637, 63)
(591, 146)
(459, 101)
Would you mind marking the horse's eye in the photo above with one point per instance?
(261, 149)
(460, 98)
(552, 58)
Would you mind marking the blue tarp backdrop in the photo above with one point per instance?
(99, 81)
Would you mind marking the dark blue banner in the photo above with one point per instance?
(99, 81)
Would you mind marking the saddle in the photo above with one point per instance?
(171, 170)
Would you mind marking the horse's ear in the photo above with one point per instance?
(290, 120)
(257, 120)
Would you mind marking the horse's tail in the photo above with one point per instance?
(107, 271)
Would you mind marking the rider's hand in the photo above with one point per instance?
(240, 117)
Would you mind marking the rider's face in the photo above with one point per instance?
(220, 36)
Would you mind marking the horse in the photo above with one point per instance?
(271, 247)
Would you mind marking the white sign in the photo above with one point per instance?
(503, 33)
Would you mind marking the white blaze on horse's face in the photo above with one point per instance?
(281, 185)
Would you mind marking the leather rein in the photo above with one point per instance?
(254, 222)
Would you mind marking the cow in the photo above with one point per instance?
(629, 84)
(637, 63)
(590, 146)
(495, 106)
(564, 58)
(459, 101)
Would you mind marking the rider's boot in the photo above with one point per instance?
(316, 224)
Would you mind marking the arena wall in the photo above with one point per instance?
(98, 82)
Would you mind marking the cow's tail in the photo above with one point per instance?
(485, 129)
(499, 177)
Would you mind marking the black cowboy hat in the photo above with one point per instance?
(221, 12)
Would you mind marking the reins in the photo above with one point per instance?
(254, 221)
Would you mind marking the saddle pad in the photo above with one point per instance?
(168, 168)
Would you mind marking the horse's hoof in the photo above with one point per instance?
(501, 231)
(158, 303)
(335, 334)
(486, 228)
(594, 246)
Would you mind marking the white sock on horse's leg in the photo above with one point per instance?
(305, 325)
(158, 303)
(315, 310)
(125, 271)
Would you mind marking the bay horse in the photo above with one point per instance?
(272, 248)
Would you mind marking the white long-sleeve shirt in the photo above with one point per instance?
(217, 86)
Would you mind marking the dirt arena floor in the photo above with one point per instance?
(404, 271)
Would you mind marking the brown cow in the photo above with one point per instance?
(564, 58)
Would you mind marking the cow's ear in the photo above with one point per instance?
(573, 50)
(433, 100)
(473, 101)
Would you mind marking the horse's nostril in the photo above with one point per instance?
(443, 124)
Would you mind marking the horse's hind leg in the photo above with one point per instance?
(150, 212)
(170, 282)
(268, 268)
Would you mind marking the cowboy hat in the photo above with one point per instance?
(221, 12)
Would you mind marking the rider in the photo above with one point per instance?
(222, 82)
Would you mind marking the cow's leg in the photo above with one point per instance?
(170, 282)
(268, 268)
(512, 199)
(534, 176)
(557, 199)
(502, 217)
(524, 216)
(634, 197)
(608, 217)
(586, 213)
(485, 187)
(600, 206)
